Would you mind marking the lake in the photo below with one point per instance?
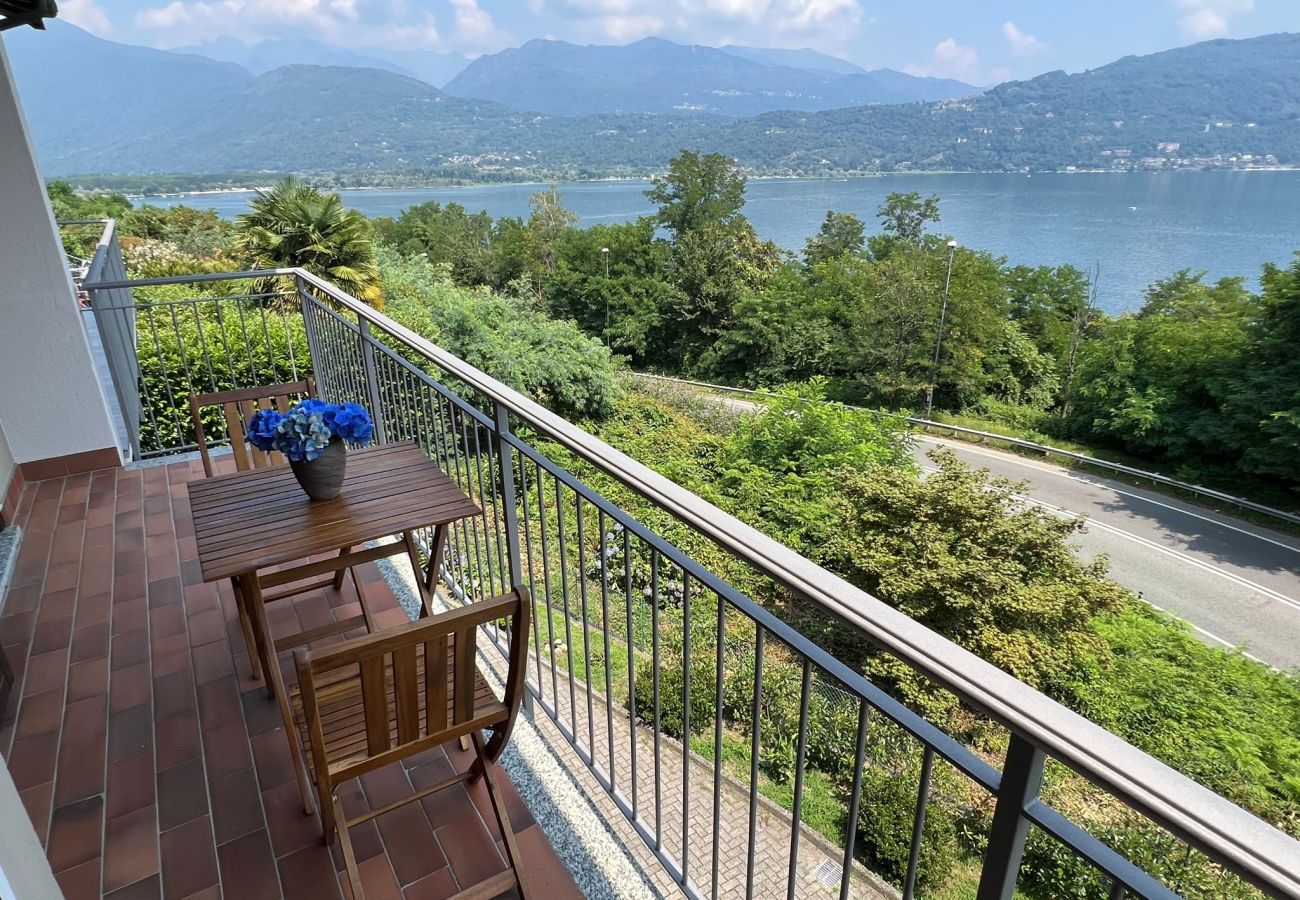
(1136, 227)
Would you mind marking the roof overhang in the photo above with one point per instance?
(14, 13)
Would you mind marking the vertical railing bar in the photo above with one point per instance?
(248, 347)
(266, 336)
(719, 650)
(586, 629)
(631, 664)
(203, 344)
(686, 723)
(755, 743)
(225, 342)
(1117, 890)
(532, 578)
(370, 371)
(288, 342)
(189, 379)
(564, 592)
(483, 508)
(800, 758)
(918, 824)
(654, 681)
(166, 376)
(1022, 773)
(462, 441)
(604, 629)
(463, 560)
(546, 581)
(851, 827)
(507, 509)
(495, 478)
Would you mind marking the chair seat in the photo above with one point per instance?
(342, 710)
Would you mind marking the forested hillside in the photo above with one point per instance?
(98, 107)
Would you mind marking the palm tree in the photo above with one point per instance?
(293, 224)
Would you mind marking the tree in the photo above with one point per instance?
(903, 220)
(292, 224)
(698, 191)
(839, 234)
(547, 223)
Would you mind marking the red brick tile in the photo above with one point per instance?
(365, 837)
(80, 771)
(446, 807)
(52, 635)
(166, 621)
(147, 889)
(225, 748)
(130, 785)
(206, 627)
(173, 694)
(177, 739)
(46, 672)
(260, 713)
(182, 794)
(189, 859)
(164, 589)
(248, 868)
(129, 687)
(90, 642)
(76, 834)
(37, 800)
(130, 615)
(130, 648)
(409, 841)
(130, 848)
(516, 809)
(80, 882)
(87, 679)
(93, 610)
(211, 661)
(438, 886)
(377, 881)
(171, 654)
(471, 852)
(236, 806)
(384, 786)
(219, 703)
(39, 714)
(16, 627)
(57, 603)
(290, 827)
(307, 874)
(545, 872)
(130, 731)
(85, 721)
(272, 759)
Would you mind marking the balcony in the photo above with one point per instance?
(133, 684)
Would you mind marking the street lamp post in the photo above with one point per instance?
(604, 251)
(938, 342)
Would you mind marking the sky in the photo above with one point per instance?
(977, 41)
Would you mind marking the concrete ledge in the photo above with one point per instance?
(9, 497)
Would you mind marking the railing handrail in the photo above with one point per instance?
(1259, 852)
(1045, 449)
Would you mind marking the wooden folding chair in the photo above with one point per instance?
(372, 701)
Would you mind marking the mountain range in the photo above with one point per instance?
(95, 106)
(653, 75)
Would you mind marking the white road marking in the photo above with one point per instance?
(1066, 473)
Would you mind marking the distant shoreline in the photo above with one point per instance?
(440, 184)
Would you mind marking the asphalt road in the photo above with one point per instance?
(1236, 583)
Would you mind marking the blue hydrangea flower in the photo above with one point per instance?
(262, 428)
(352, 423)
(302, 435)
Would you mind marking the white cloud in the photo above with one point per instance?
(85, 14)
(1022, 43)
(475, 30)
(949, 60)
(366, 23)
(823, 24)
(1201, 20)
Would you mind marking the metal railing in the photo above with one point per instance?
(683, 696)
(1034, 446)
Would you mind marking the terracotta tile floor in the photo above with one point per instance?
(149, 762)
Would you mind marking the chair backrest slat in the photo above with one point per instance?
(406, 684)
(237, 408)
(374, 696)
(435, 684)
(463, 686)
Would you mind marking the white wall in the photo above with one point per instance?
(50, 400)
(24, 872)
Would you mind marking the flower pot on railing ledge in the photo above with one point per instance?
(313, 435)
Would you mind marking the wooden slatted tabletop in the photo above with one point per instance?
(259, 518)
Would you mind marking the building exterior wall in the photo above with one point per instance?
(24, 872)
(51, 402)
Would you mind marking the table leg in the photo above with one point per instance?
(435, 557)
(426, 597)
(338, 576)
(251, 644)
(275, 684)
